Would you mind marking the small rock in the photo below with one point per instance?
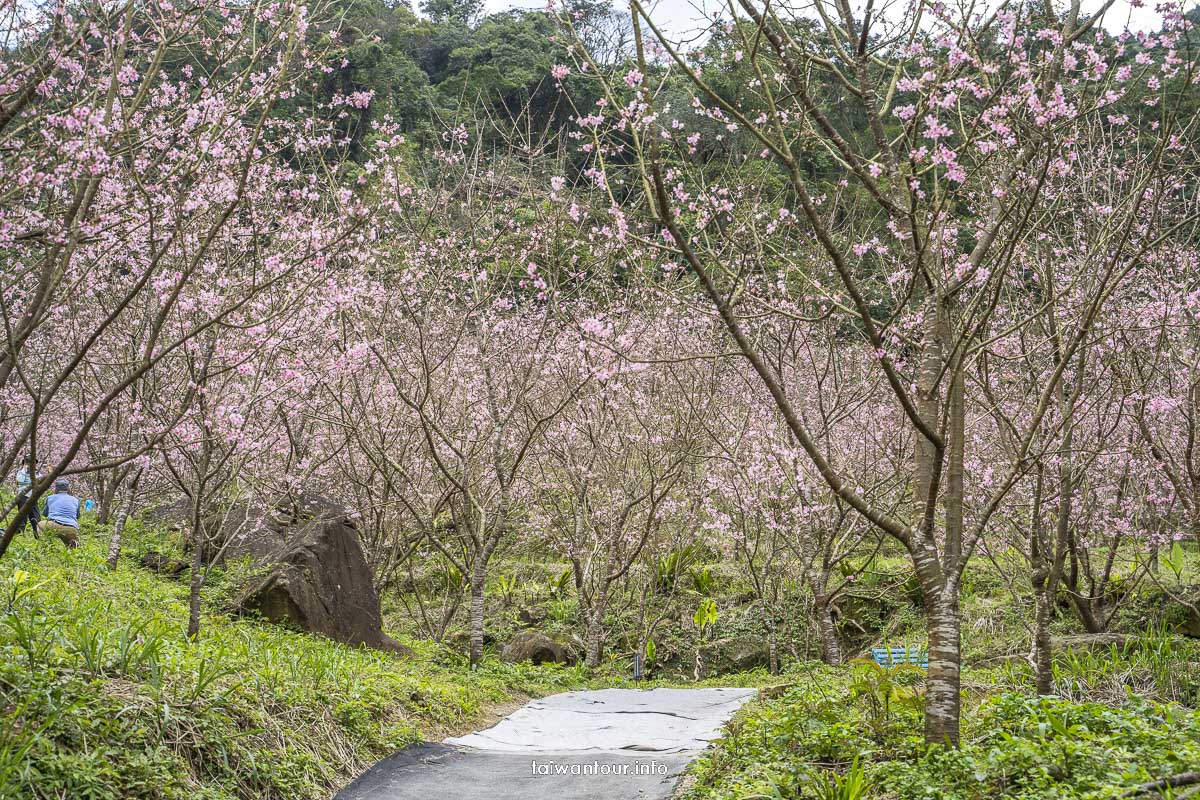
(531, 616)
(535, 647)
(163, 565)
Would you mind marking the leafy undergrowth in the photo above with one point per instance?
(102, 696)
(1157, 665)
(855, 732)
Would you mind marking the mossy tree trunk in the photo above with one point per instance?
(831, 649)
(595, 639)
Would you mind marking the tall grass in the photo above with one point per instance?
(1157, 665)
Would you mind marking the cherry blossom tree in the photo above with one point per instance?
(780, 519)
(467, 350)
(616, 467)
(147, 203)
(957, 140)
(1162, 358)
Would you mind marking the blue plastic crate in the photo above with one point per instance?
(891, 656)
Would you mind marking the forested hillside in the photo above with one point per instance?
(367, 369)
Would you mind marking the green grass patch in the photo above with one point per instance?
(856, 732)
(102, 696)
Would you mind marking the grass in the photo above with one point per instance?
(1121, 715)
(1126, 716)
(102, 696)
(1156, 664)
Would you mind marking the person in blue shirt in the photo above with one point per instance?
(62, 514)
(25, 477)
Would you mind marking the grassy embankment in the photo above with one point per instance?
(102, 696)
(1122, 716)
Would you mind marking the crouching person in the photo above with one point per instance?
(62, 514)
(25, 478)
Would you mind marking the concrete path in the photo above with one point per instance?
(612, 744)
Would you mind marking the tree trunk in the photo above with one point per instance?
(1092, 623)
(1043, 595)
(595, 643)
(114, 544)
(193, 629)
(478, 583)
(595, 631)
(772, 648)
(942, 692)
(104, 503)
(1043, 670)
(830, 647)
(1087, 613)
(1048, 572)
(942, 617)
(448, 614)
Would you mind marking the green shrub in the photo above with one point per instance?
(1028, 747)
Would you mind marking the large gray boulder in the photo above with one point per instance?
(315, 576)
(237, 532)
(245, 531)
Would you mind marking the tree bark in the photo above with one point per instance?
(938, 574)
(595, 631)
(1083, 604)
(1048, 574)
(943, 685)
(772, 648)
(830, 647)
(1043, 662)
(595, 643)
(1087, 614)
(108, 497)
(197, 581)
(114, 544)
(478, 584)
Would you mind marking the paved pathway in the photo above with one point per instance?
(612, 744)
